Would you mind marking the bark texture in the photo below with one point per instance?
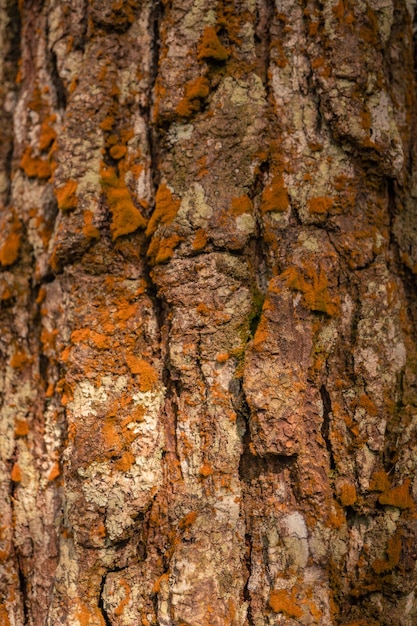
(208, 255)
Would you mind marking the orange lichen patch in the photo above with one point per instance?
(195, 92)
(137, 414)
(90, 231)
(210, 47)
(379, 481)
(188, 520)
(9, 251)
(200, 239)
(320, 205)
(34, 167)
(282, 601)
(159, 581)
(4, 617)
(19, 359)
(166, 208)
(5, 291)
(366, 403)
(315, 290)
(21, 428)
(118, 152)
(82, 334)
(107, 123)
(148, 376)
(66, 196)
(393, 552)
(346, 492)
(85, 616)
(206, 470)
(241, 205)
(48, 339)
(318, 62)
(47, 135)
(275, 196)
(111, 437)
(125, 462)
(120, 608)
(55, 471)
(16, 474)
(261, 334)
(399, 496)
(162, 249)
(222, 357)
(126, 218)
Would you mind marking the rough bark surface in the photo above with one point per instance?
(208, 255)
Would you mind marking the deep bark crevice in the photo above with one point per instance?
(154, 139)
(23, 588)
(325, 428)
(264, 20)
(106, 618)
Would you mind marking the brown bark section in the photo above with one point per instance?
(208, 260)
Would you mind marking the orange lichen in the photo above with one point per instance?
(21, 428)
(47, 134)
(206, 470)
(107, 123)
(66, 196)
(120, 608)
(85, 616)
(159, 581)
(347, 493)
(111, 437)
(9, 250)
(380, 481)
(275, 196)
(393, 552)
(320, 205)
(125, 462)
(148, 376)
(222, 357)
(19, 359)
(261, 334)
(34, 167)
(16, 474)
(162, 249)
(90, 231)
(315, 290)
(55, 471)
(200, 239)
(282, 601)
(241, 205)
(210, 47)
(195, 92)
(188, 520)
(118, 152)
(126, 218)
(166, 208)
(399, 496)
(366, 403)
(4, 617)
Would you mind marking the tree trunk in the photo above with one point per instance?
(208, 256)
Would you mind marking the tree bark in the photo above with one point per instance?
(208, 255)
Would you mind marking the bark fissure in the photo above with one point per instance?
(325, 428)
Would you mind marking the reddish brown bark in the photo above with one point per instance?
(208, 259)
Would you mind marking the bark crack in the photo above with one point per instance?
(106, 618)
(325, 428)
